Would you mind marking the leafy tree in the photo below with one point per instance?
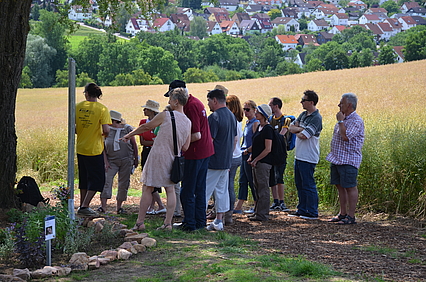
(249, 74)
(194, 75)
(117, 58)
(53, 30)
(315, 65)
(158, 62)
(141, 78)
(387, 55)
(366, 57)
(400, 38)
(87, 55)
(26, 78)
(284, 68)
(14, 16)
(232, 75)
(198, 27)
(35, 12)
(303, 24)
(415, 48)
(355, 60)
(193, 4)
(122, 80)
(38, 58)
(274, 13)
(322, 51)
(391, 6)
(336, 59)
(82, 79)
(61, 78)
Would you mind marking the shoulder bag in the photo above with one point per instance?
(176, 174)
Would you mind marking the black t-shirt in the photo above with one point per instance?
(259, 142)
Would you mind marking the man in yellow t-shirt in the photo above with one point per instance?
(92, 123)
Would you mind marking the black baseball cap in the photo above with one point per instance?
(175, 84)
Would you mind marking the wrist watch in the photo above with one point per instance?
(340, 121)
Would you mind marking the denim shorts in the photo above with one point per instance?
(343, 175)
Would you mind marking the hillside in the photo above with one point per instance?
(382, 90)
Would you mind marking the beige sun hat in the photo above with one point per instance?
(223, 88)
(115, 115)
(152, 105)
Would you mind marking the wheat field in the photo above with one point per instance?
(383, 92)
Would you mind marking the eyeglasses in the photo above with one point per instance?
(247, 109)
(304, 100)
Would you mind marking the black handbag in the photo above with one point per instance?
(176, 174)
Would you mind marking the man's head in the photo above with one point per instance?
(309, 100)
(175, 84)
(275, 104)
(216, 99)
(348, 103)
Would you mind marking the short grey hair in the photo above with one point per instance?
(180, 94)
(351, 98)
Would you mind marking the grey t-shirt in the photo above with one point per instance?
(223, 128)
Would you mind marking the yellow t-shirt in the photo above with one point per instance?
(88, 124)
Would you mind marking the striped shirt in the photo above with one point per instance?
(348, 152)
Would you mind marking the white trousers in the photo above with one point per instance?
(217, 185)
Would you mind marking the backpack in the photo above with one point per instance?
(29, 192)
(290, 138)
(279, 149)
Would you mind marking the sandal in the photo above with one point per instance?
(211, 215)
(121, 211)
(337, 218)
(100, 210)
(165, 227)
(347, 220)
(139, 226)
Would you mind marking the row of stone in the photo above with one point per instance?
(133, 243)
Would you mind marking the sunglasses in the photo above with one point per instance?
(304, 100)
(247, 109)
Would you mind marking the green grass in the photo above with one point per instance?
(81, 33)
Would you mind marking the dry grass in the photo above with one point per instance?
(383, 91)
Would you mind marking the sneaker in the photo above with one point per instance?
(294, 214)
(215, 226)
(100, 210)
(86, 212)
(308, 216)
(121, 211)
(182, 227)
(161, 211)
(274, 207)
(249, 211)
(283, 208)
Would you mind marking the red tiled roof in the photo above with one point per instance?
(287, 39)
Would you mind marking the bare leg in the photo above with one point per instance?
(352, 194)
(144, 203)
(280, 192)
(239, 205)
(104, 203)
(343, 200)
(87, 198)
(274, 190)
(157, 199)
(119, 204)
(171, 204)
(219, 215)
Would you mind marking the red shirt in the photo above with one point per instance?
(196, 112)
(147, 135)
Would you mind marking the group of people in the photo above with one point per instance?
(214, 146)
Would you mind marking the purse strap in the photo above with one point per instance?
(172, 115)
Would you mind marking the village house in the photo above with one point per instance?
(239, 17)
(229, 5)
(213, 28)
(306, 39)
(229, 27)
(77, 13)
(337, 29)
(288, 42)
(387, 31)
(249, 26)
(339, 19)
(369, 18)
(407, 22)
(408, 5)
(400, 55)
(289, 23)
(324, 37)
(163, 25)
(316, 25)
(417, 11)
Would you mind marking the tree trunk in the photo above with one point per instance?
(14, 18)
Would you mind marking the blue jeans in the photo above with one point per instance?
(193, 193)
(306, 188)
(246, 179)
(236, 162)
